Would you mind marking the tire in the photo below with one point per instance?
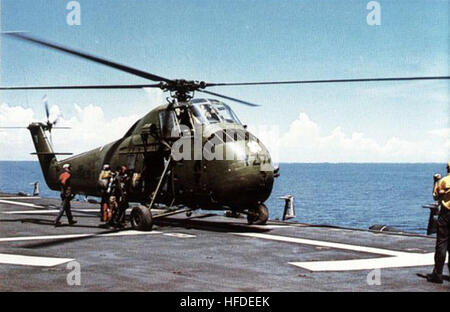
(258, 216)
(141, 218)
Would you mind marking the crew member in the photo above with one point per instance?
(441, 192)
(436, 179)
(125, 182)
(121, 195)
(103, 181)
(113, 193)
(66, 195)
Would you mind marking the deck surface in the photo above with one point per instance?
(206, 252)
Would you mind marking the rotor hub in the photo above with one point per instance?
(182, 85)
(182, 89)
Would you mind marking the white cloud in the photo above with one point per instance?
(15, 143)
(305, 142)
(10, 115)
(89, 129)
(443, 134)
(155, 95)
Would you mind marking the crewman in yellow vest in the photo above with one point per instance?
(441, 192)
(103, 181)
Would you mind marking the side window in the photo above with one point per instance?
(169, 124)
(131, 161)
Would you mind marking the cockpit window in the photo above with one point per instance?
(212, 112)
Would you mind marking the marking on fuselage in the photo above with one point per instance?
(32, 260)
(394, 259)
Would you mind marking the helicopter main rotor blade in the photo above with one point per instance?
(324, 81)
(82, 87)
(13, 128)
(27, 128)
(124, 68)
(229, 98)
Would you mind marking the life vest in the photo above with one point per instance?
(64, 179)
(444, 185)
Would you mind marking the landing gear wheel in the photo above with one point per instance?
(258, 215)
(141, 218)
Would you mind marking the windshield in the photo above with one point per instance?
(211, 111)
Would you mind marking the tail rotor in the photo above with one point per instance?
(50, 124)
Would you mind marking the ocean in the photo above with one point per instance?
(348, 195)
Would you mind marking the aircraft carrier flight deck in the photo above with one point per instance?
(203, 252)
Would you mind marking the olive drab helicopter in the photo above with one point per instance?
(240, 183)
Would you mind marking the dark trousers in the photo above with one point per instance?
(65, 208)
(442, 241)
(119, 216)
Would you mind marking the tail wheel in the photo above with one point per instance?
(258, 215)
(141, 218)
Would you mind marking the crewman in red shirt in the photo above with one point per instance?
(66, 195)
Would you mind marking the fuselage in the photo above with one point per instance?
(216, 162)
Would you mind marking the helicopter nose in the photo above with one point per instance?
(247, 178)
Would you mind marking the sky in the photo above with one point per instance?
(235, 41)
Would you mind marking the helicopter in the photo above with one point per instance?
(200, 129)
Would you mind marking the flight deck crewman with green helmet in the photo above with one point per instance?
(441, 192)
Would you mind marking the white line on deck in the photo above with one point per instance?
(303, 241)
(50, 211)
(21, 197)
(267, 227)
(50, 261)
(179, 235)
(406, 260)
(32, 260)
(20, 204)
(68, 236)
(396, 259)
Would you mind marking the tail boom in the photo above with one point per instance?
(45, 153)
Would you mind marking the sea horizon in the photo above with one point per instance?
(354, 195)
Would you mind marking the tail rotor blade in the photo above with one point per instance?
(47, 111)
(56, 120)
